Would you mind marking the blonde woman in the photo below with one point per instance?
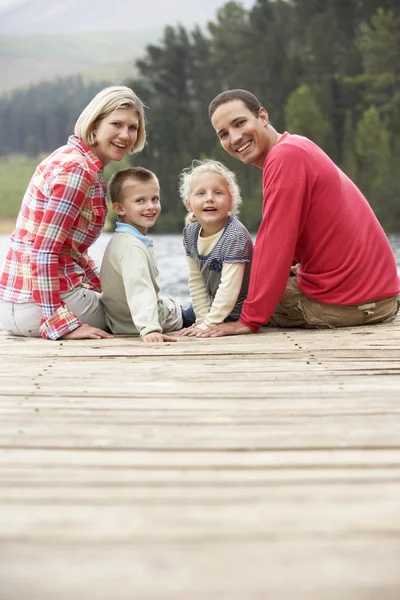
(49, 286)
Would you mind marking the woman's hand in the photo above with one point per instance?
(156, 336)
(84, 332)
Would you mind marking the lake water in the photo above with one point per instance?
(171, 261)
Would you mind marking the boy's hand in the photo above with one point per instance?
(156, 336)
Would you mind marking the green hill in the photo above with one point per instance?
(29, 59)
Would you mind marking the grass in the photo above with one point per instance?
(15, 173)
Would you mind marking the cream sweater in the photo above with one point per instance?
(130, 293)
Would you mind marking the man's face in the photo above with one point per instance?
(241, 133)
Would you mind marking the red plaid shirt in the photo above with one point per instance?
(63, 212)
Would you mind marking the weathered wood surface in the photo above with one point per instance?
(259, 467)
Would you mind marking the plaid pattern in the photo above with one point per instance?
(62, 214)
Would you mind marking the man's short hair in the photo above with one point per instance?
(118, 180)
(249, 99)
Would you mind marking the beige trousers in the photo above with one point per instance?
(297, 310)
(24, 319)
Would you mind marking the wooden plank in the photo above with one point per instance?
(266, 466)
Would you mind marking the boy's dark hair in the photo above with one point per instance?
(118, 180)
(249, 99)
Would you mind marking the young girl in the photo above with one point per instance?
(218, 246)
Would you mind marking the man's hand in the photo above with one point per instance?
(156, 336)
(235, 328)
(84, 332)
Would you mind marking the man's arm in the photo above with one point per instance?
(285, 208)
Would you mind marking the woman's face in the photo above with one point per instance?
(116, 134)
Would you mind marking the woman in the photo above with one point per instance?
(49, 286)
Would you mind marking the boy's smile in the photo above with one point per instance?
(141, 204)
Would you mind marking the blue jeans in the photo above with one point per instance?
(188, 316)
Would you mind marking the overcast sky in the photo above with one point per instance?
(157, 3)
(51, 16)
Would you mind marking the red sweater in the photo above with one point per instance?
(315, 215)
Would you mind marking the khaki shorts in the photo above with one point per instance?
(24, 319)
(297, 310)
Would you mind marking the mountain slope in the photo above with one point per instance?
(28, 17)
(30, 59)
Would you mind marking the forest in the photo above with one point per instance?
(327, 69)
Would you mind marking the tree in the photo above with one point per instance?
(303, 116)
(275, 66)
(372, 145)
(349, 158)
(31, 146)
(164, 85)
(379, 44)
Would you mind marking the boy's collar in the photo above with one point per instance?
(125, 227)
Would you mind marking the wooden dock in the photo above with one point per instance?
(259, 467)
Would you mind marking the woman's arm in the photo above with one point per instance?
(92, 274)
(67, 196)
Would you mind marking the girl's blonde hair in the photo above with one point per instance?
(104, 103)
(198, 167)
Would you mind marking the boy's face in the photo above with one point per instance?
(140, 206)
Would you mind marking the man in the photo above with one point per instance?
(314, 217)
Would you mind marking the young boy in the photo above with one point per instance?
(129, 269)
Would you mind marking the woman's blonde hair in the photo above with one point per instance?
(199, 167)
(104, 103)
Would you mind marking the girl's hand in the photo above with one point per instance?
(192, 331)
(186, 330)
(156, 336)
(235, 328)
(84, 332)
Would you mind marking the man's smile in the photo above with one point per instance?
(243, 147)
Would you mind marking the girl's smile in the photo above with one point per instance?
(210, 201)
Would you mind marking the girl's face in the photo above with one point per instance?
(210, 201)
